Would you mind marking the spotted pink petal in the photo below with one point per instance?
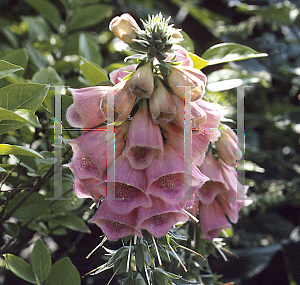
(82, 165)
(114, 225)
(212, 220)
(167, 177)
(88, 103)
(144, 140)
(129, 187)
(213, 115)
(118, 75)
(159, 219)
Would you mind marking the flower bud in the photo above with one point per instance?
(162, 106)
(124, 27)
(227, 147)
(142, 82)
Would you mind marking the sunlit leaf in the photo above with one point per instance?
(89, 49)
(47, 75)
(7, 68)
(22, 115)
(227, 52)
(6, 149)
(20, 267)
(93, 74)
(198, 62)
(18, 57)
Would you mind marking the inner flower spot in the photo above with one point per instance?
(159, 219)
(124, 191)
(170, 183)
(87, 161)
(114, 226)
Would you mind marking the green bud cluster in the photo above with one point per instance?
(157, 38)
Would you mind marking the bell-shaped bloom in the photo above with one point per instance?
(168, 178)
(118, 75)
(212, 220)
(86, 111)
(184, 79)
(175, 137)
(124, 27)
(144, 140)
(226, 145)
(210, 128)
(115, 225)
(162, 106)
(126, 187)
(181, 56)
(121, 103)
(142, 81)
(160, 217)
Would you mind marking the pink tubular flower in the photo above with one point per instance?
(181, 55)
(144, 140)
(160, 218)
(118, 75)
(227, 147)
(181, 77)
(124, 27)
(129, 187)
(114, 225)
(123, 100)
(86, 111)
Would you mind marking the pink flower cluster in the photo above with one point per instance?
(145, 184)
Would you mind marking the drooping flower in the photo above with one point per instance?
(226, 146)
(162, 107)
(160, 218)
(118, 75)
(86, 111)
(115, 225)
(144, 140)
(124, 27)
(142, 81)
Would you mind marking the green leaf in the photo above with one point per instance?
(7, 68)
(2, 169)
(40, 260)
(20, 96)
(93, 74)
(226, 79)
(22, 115)
(198, 62)
(159, 277)
(37, 58)
(6, 149)
(31, 208)
(47, 75)
(89, 16)
(227, 52)
(20, 267)
(63, 272)
(18, 57)
(89, 49)
(139, 255)
(72, 222)
(11, 229)
(187, 42)
(139, 280)
(48, 10)
(38, 27)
